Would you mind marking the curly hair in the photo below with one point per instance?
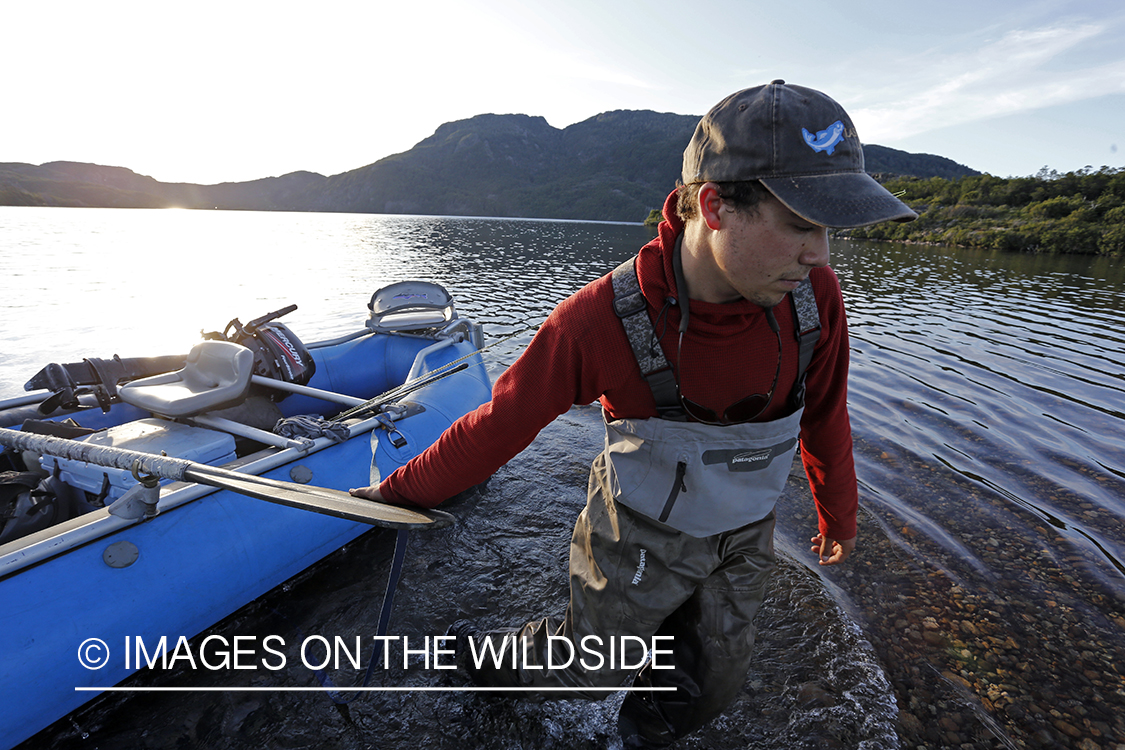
(742, 196)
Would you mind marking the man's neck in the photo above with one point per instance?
(704, 279)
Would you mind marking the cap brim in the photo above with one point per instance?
(842, 200)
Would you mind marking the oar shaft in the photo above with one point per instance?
(164, 467)
(318, 499)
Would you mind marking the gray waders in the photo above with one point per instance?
(675, 542)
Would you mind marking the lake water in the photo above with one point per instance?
(985, 606)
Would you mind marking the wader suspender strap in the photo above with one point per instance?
(631, 308)
(806, 328)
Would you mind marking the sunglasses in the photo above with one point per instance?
(745, 410)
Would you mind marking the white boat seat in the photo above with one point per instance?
(216, 376)
(410, 306)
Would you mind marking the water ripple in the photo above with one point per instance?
(1013, 382)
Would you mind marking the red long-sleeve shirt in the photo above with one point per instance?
(581, 354)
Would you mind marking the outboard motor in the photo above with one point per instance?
(278, 353)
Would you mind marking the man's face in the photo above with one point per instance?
(765, 254)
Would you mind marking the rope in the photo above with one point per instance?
(401, 540)
(311, 426)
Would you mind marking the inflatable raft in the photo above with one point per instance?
(152, 497)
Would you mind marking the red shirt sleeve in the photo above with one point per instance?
(826, 435)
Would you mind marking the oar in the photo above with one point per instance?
(307, 497)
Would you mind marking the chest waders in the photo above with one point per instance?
(698, 478)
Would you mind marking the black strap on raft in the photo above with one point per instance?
(632, 309)
(402, 537)
(337, 698)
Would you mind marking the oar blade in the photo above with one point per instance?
(320, 500)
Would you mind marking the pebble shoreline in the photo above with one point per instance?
(1028, 653)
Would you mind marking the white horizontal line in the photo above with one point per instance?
(116, 689)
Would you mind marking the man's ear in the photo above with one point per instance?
(710, 205)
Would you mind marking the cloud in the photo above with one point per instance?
(1025, 69)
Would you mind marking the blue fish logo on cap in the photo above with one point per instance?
(825, 140)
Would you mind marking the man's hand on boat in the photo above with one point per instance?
(832, 551)
(367, 493)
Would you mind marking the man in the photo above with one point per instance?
(712, 352)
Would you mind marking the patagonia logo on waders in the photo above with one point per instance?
(749, 459)
(640, 569)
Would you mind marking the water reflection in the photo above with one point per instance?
(95, 282)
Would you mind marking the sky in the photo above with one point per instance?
(210, 92)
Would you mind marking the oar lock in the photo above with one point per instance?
(148, 480)
(141, 499)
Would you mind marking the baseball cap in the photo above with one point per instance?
(803, 148)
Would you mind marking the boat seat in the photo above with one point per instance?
(216, 376)
(410, 306)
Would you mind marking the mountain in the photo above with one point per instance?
(615, 166)
(64, 183)
(890, 162)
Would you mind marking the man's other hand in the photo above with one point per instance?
(831, 551)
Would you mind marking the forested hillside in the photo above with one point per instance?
(1076, 212)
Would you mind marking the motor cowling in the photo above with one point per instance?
(278, 353)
